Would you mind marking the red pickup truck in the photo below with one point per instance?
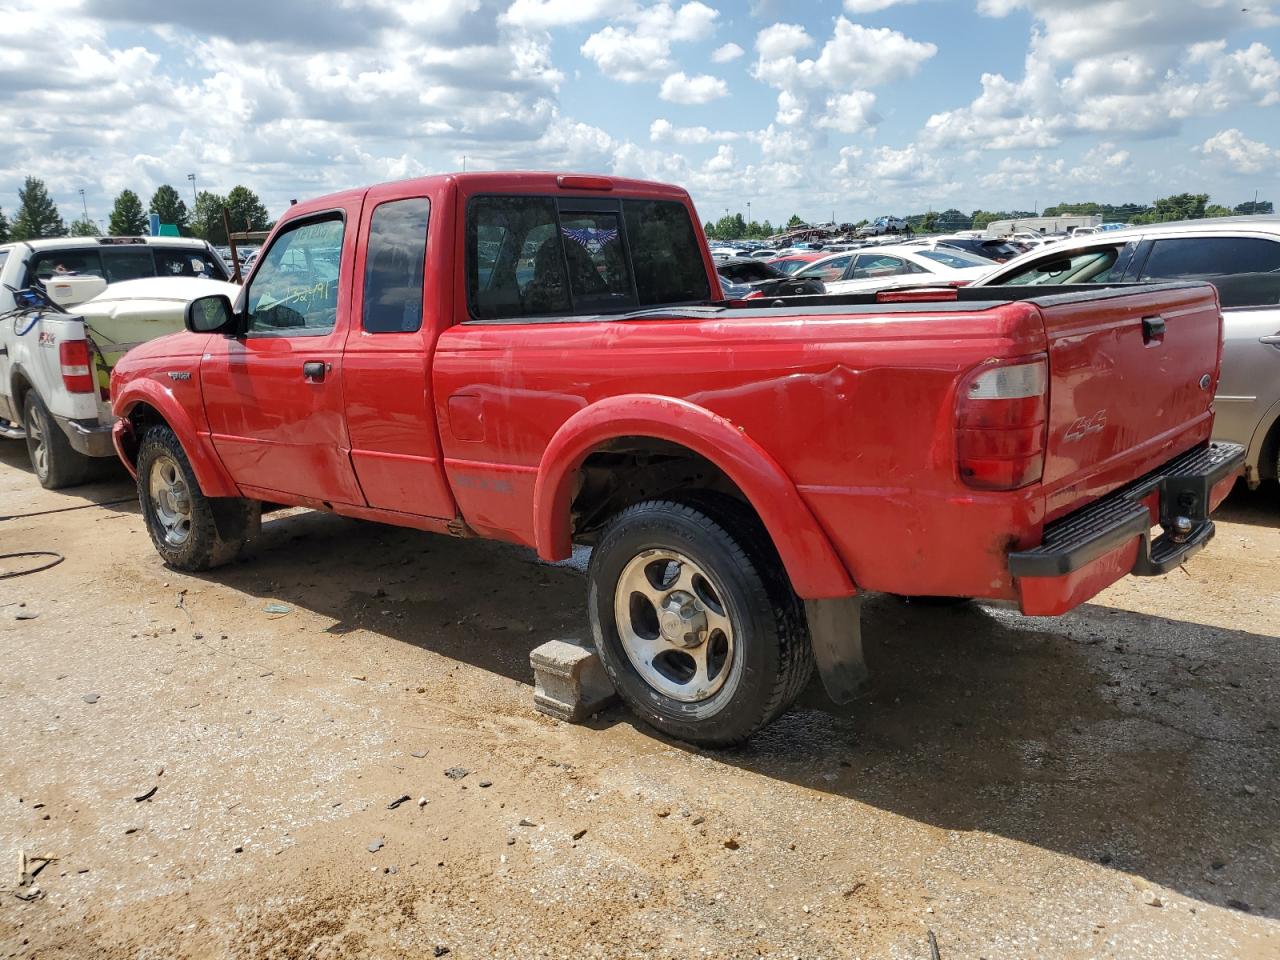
(548, 360)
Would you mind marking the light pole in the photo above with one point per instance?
(83, 203)
(748, 216)
(194, 198)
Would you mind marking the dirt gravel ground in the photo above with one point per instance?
(1101, 785)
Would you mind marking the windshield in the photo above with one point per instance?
(955, 258)
(1089, 266)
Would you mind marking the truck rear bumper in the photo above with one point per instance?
(1090, 549)
(87, 436)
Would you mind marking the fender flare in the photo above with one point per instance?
(212, 476)
(815, 570)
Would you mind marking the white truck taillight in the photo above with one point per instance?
(1001, 413)
(77, 375)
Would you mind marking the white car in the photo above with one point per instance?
(1238, 255)
(873, 268)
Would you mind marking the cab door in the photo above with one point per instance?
(273, 394)
(400, 308)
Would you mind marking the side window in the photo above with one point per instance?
(128, 263)
(295, 291)
(872, 267)
(394, 265)
(515, 263)
(183, 263)
(83, 262)
(1246, 270)
(832, 269)
(598, 274)
(665, 254)
(1090, 266)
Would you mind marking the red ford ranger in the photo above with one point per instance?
(547, 360)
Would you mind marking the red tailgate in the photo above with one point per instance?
(1132, 379)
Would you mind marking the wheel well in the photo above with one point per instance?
(1269, 455)
(142, 415)
(21, 386)
(628, 470)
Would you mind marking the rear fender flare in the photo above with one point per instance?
(210, 473)
(814, 568)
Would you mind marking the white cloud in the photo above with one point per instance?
(723, 54)
(703, 88)
(1114, 67)
(637, 47)
(834, 85)
(872, 6)
(1239, 153)
(544, 14)
(664, 131)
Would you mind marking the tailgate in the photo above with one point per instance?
(1132, 378)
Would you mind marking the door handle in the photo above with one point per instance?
(1153, 329)
(313, 371)
(1272, 340)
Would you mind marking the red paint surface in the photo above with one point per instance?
(839, 428)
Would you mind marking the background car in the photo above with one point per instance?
(795, 260)
(994, 249)
(876, 267)
(767, 280)
(1238, 255)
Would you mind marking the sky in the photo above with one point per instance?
(844, 108)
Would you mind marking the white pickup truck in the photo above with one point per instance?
(69, 309)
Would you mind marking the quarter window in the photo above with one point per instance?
(294, 292)
(665, 253)
(394, 266)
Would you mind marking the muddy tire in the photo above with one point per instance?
(694, 620)
(189, 530)
(57, 464)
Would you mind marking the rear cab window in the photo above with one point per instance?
(541, 256)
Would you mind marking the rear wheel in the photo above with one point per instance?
(57, 464)
(189, 530)
(700, 633)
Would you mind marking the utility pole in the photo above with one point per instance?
(194, 198)
(85, 205)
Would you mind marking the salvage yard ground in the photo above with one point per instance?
(1103, 785)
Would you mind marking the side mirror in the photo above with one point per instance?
(211, 314)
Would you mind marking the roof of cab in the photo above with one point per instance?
(504, 181)
(63, 243)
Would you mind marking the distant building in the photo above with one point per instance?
(1002, 228)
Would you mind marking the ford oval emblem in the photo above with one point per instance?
(1205, 381)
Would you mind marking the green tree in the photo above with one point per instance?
(953, 219)
(795, 222)
(1182, 206)
(128, 219)
(1249, 207)
(247, 211)
(83, 227)
(4, 228)
(1217, 210)
(206, 222)
(861, 223)
(38, 215)
(166, 202)
(930, 222)
(709, 229)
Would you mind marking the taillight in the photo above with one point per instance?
(73, 357)
(1001, 412)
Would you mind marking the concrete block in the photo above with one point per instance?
(569, 682)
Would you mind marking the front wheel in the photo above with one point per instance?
(190, 531)
(694, 622)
